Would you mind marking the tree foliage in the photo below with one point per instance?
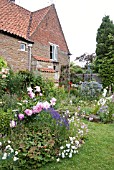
(105, 52)
(89, 58)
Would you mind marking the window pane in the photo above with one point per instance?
(23, 47)
(50, 52)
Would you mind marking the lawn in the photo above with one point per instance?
(96, 154)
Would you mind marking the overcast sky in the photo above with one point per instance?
(79, 19)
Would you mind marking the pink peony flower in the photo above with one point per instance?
(53, 101)
(12, 123)
(31, 94)
(28, 112)
(21, 116)
(38, 108)
(46, 105)
(40, 94)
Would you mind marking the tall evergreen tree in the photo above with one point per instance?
(105, 52)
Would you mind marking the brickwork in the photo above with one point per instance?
(47, 31)
(50, 30)
(10, 51)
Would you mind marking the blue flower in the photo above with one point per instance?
(59, 118)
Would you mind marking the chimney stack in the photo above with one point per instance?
(12, 1)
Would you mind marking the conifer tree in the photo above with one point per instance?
(105, 52)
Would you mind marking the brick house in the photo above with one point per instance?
(32, 41)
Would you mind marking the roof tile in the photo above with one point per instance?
(44, 59)
(19, 21)
(49, 70)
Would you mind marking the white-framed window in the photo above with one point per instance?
(53, 52)
(23, 47)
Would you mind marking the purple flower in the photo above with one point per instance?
(59, 118)
(21, 116)
(12, 123)
(28, 112)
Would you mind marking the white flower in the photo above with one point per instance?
(25, 101)
(68, 150)
(71, 138)
(90, 118)
(37, 89)
(58, 159)
(83, 126)
(8, 147)
(61, 147)
(11, 150)
(9, 141)
(29, 89)
(102, 101)
(75, 151)
(71, 102)
(77, 142)
(4, 155)
(15, 158)
(73, 147)
(16, 153)
(68, 145)
(63, 155)
(67, 111)
(0, 143)
(104, 93)
(12, 123)
(53, 101)
(70, 155)
(46, 105)
(71, 151)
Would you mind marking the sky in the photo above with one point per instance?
(79, 19)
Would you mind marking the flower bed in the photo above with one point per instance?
(39, 133)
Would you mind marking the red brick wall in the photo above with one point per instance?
(50, 30)
(10, 51)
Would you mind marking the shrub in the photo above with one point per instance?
(90, 89)
(8, 102)
(3, 63)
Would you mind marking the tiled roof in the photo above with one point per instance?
(42, 59)
(49, 70)
(19, 21)
(37, 17)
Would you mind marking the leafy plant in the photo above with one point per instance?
(91, 89)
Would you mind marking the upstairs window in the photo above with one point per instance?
(53, 52)
(23, 47)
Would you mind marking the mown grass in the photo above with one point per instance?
(96, 154)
